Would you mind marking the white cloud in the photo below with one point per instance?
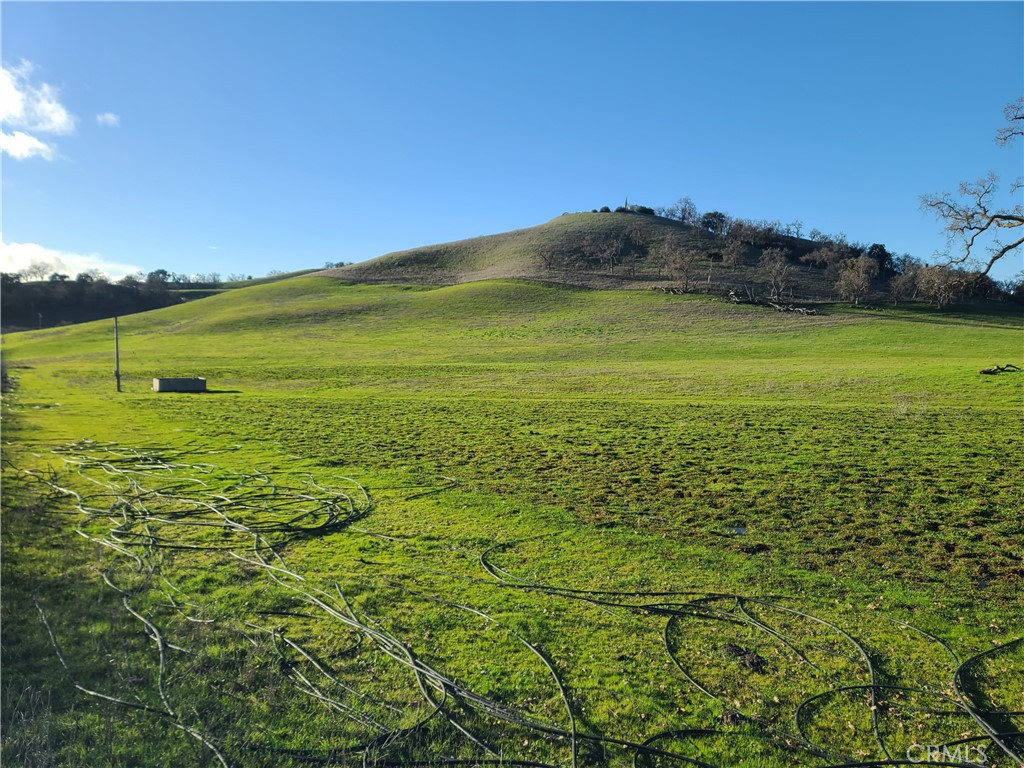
(33, 108)
(12, 102)
(15, 257)
(21, 146)
(108, 119)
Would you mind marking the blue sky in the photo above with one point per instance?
(247, 137)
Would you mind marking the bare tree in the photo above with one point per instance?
(683, 210)
(775, 267)
(973, 219)
(37, 270)
(634, 249)
(903, 285)
(1014, 114)
(830, 256)
(734, 253)
(679, 261)
(855, 276)
(942, 284)
(682, 266)
(548, 259)
(611, 251)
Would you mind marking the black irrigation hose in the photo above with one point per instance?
(533, 649)
(873, 687)
(961, 691)
(400, 652)
(677, 609)
(674, 734)
(165, 714)
(242, 509)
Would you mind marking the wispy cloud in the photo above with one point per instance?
(109, 119)
(34, 108)
(21, 146)
(15, 257)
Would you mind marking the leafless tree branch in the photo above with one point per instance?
(1014, 114)
(973, 218)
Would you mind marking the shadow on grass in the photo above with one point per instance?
(205, 392)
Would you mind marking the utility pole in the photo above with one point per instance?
(117, 356)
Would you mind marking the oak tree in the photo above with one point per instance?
(974, 219)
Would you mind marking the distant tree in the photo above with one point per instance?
(89, 276)
(882, 257)
(37, 270)
(9, 280)
(735, 252)
(795, 227)
(548, 259)
(829, 256)
(903, 284)
(211, 279)
(855, 276)
(942, 284)
(905, 263)
(715, 222)
(609, 252)
(981, 286)
(58, 277)
(973, 220)
(634, 248)
(683, 266)
(158, 278)
(132, 281)
(903, 287)
(686, 211)
(775, 268)
(761, 234)
(1013, 289)
(679, 261)
(605, 209)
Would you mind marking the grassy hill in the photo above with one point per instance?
(514, 521)
(566, 250)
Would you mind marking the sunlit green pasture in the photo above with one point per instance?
(600, 527)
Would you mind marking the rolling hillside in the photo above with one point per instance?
(511, 522)
(572, 249)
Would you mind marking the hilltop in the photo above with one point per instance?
(638, 249)
(597, 250)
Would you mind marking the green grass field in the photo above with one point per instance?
(515, 524)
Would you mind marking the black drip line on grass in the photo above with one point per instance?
(250, 509)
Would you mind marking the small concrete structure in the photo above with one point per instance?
(192, 384)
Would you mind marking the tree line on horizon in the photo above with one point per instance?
(973, 219)
(720, 253)
(37, 297)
